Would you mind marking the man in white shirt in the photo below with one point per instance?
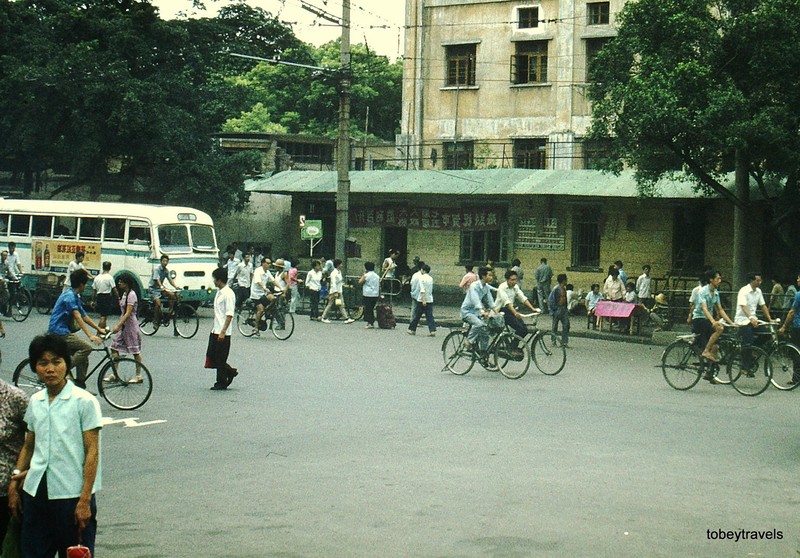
(313, 286)
(219, 342)
(644, 288)
(422, 295)
(748, 300)
(242, 278)
(105, 303)
(508, 293)
(231, 265)
(261, 291)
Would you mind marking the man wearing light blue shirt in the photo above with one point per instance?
(476, 306)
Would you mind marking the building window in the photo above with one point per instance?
(593, 47)
(461, 64)
(586, 237)
(597, 13)
(527, 18)
(529, 64)
(458, 155)
(530, 154)
(477, 247)
(595, 152)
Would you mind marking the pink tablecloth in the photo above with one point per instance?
(608, 309)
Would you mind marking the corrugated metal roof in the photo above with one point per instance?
(485, 182)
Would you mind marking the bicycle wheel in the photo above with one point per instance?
(43, 302)
(784, 359)
(20, 305)
(26, 379)
(356, 312)
(512, 356)
(681, 365)
(146, 315)
(282, 331)
(548, 357)
(246, 321)
(752, 375)
(125, 384)
(457, 359)
(720, 368)
(186, 321)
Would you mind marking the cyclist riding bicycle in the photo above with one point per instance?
(67, 311)
(477, 305)
(261, 290)
(161, 276)
(507, 294)
(704, 324)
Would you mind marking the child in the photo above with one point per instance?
(592, 299)
(630, 293)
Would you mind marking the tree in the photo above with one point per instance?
(98, 84)
(306, 101)
(706, 88)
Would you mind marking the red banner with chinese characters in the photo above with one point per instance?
(428, 218)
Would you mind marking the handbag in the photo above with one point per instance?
(338, 301)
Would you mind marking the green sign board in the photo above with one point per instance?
(312, 230)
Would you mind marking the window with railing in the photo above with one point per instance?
(530, 153)
(529, 64)
(458, 155)
(586, 237)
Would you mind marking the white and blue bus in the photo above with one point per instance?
(133, 237)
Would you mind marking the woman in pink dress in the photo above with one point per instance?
(129, 337)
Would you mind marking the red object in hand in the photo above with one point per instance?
(79, 551)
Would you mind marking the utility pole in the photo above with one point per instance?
(343, 162)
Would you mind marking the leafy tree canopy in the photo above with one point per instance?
(89, 85)
(692, 84)
(306, 101)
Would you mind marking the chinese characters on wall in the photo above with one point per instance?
(439, 218)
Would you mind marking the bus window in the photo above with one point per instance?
(42, 226)
(90, 228)
(4, 219)
(115, 230)
(65, 227)
(202, 238)
(20, 225)
(173, 238)
(139, 233)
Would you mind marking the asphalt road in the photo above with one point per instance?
(347, 442)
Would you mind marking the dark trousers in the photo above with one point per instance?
(242, 294)
(561, 315)
(369, 309)
(516, 324)
(4, 517)
(795, 335)
(217, 357)
(416, 315)
(313, 297)
(48, 526)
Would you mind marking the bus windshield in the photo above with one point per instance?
(203, 238)
(176, 238)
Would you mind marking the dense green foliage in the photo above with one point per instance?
(306, 101)
(692, 84)
(118, 99)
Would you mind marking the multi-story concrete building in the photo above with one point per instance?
(500, 83)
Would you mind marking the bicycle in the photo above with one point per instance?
(782, 355)
(682, 363)
(507, 352)
(547, 352)
(750, 368)
(19, 301)
(184, 318)
(123, 382)
(274, 317)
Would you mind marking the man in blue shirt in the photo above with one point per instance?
(69, 307)
(476, 306)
